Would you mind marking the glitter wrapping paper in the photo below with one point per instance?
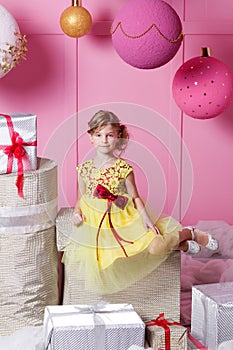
(38, 209)
(25, 126)
(92, 327)
(212, 313)
(28, 254)
(155, 336)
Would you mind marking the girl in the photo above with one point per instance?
(114, 239)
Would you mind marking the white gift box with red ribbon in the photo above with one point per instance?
(18, 145)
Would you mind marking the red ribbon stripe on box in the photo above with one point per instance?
(162, 322)
(16, 150)
(120, 201)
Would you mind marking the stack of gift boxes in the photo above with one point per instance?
(28, 207)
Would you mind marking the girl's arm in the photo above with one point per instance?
(139, 205)
(78, 217)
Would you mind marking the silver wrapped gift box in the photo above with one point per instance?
(38, 209)
(25, 126)
(92, 327)
(28, 254)
(212, 313)
(18, 146)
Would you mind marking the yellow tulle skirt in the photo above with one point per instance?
(109, 264)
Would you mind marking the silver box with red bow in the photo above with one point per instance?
(17, 141)
(18, 145)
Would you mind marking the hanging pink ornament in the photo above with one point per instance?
(203, 86)
(146, 33)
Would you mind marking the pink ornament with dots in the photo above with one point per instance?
(146, 33)
(203, 87)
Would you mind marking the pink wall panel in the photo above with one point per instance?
(45, 84)
(31, 11)
(196, 10)
(210, 143)
(191, 172)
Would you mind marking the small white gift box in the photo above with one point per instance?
(18, 145)
(92, 327)
(212, 313)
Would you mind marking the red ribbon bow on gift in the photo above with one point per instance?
(162, 322)
(16, 150)
(120, 201)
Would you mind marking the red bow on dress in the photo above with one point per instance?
(16, 150)
(162, 322)
(120, 201)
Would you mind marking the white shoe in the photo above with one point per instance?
(193, 247)
(212, 242)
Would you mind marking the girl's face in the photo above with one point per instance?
(105, 139)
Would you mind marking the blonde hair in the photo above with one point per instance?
(103, 118)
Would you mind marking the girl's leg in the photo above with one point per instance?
(199, 236)
(189, 240)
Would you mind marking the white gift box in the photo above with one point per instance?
(25, 127)
(92, 327)
(212, 313)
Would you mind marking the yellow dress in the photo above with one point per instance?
(111, 244)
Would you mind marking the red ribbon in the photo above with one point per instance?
(162, 322)
(16, 150)
(120, 201)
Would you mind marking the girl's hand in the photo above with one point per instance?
(78, 218)
(149, 224)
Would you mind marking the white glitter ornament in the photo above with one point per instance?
(12, 43)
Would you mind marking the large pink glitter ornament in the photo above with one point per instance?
(146, 33)
(203, 87)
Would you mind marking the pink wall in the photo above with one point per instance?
(183, 166)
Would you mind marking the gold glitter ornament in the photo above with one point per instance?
(75, 21)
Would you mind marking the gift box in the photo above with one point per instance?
(157, 292)
(166, 334)
(28, 278)
(38, 210)
(28, 253)
(18, 151)
(92, 327)
(212, 313)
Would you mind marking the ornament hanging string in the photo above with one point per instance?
(180, 35)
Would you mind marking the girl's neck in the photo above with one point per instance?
(104, 161)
